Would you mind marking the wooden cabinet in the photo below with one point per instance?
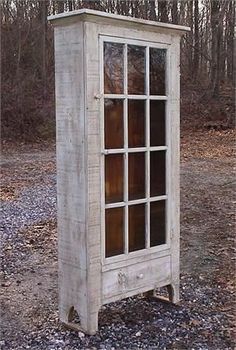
(117, 109)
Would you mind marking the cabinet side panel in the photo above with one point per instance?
(93, 127)
(175, 159)
(70, 168)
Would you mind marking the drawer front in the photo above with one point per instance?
(136, 278)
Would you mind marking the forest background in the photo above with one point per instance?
(27, 54)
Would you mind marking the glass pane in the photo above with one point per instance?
(157, 71)
(114, 231)
(114, 130)
(157, 173)
(113, 68)
(136, 123)
(136, 227)
(136, 69)
(157, 223)
(157, 123)
(114, 178)
(136, 175)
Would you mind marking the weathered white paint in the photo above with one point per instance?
(104, 17)
(118, 282)
(86, 279)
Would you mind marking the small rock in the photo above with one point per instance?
(81, 335)
(5, 284)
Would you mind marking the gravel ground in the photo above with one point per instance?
(28, 189)
(34, 204)
(204, 319)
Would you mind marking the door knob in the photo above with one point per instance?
(97, 96)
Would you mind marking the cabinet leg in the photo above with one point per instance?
(91, 325)
(85, 323)
(173, 293)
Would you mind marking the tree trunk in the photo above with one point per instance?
(152, 6)
(230, 40)
(162, 10)
(215, 47)
(43, 5)
(196, 40)
(70, 5)
(60, 6)
(223, 53)
(182, 16)
(190, 46)
(174, 12)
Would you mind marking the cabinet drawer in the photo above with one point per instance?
(144, 276)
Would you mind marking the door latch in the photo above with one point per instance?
(98, 96)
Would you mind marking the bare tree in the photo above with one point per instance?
(60, 6)
(215, 47)
(174, 12)
(43, 7)
(196, 39)
(162, 10)
(207, 52)
(230, 39)
(70, 5)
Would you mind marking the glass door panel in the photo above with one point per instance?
(114, 178)
(136, 172)
(135, 146)
(136, 123)
(114, 124)
(158, 221)
(113, 68)
(157, 123)
(157, 173)
(136, 70)
(157, 71)
(114, 221)
(136, 227)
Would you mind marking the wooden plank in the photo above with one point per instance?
(71, 179)
(175, 164)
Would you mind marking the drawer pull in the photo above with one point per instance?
(122, 278)
(140, 276)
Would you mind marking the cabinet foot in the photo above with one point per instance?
(87, 324)
(173, 294)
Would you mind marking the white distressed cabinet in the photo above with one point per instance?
(117, 116)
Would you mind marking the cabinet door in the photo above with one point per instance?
(135, 150)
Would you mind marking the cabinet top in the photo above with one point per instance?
(88, 15)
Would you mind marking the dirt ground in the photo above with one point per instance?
(205, 317)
